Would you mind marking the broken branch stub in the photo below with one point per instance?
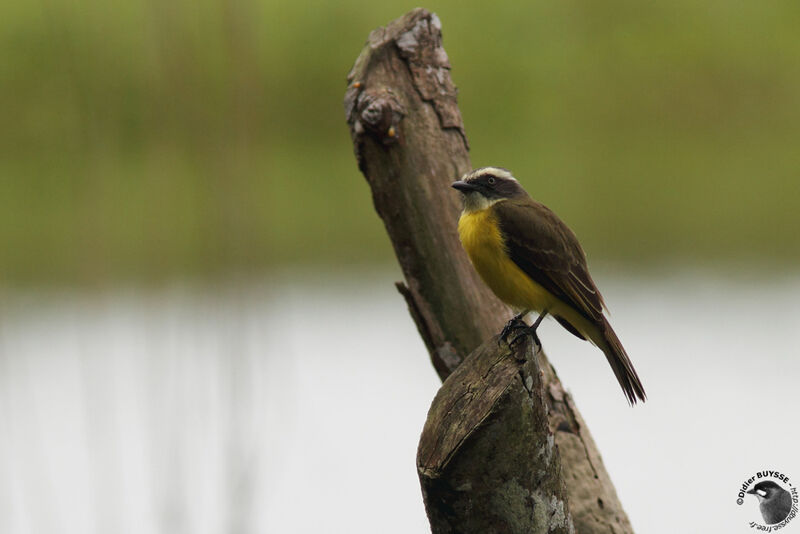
(487, 460)
(410, 144)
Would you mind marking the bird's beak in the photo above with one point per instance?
(464, 187)
(751, 491)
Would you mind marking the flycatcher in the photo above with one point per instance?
(532, 261)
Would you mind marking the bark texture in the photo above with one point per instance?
(504, 448)
(410, 144)
(487, 458)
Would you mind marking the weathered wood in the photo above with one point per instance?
(410, 144)
(489, 422)
(487, 459)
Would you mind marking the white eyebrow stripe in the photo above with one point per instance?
(494, 171)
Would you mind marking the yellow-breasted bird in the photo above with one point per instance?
(532, 261)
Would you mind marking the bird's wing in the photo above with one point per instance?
(540, 244)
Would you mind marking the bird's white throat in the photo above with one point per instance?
(474, 201)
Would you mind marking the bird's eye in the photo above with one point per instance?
(491, 180)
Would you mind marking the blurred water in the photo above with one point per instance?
(295, 405)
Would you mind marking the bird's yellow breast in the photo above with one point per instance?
(481, 237)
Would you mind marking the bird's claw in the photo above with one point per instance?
(515, 323)
(528, 331)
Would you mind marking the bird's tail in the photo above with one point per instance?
(620, 363)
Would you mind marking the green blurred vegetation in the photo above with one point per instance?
(153, 140)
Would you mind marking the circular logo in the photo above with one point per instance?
(773, 499)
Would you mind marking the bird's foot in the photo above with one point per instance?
(531, 331)
(527, 331)
(515, 323)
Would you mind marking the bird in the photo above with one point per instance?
(775, 502)
(532, 261)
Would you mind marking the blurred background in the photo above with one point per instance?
(198, 330)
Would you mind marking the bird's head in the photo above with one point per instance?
(483, 187)
(766, 490)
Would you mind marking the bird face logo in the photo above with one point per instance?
(774, 502)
